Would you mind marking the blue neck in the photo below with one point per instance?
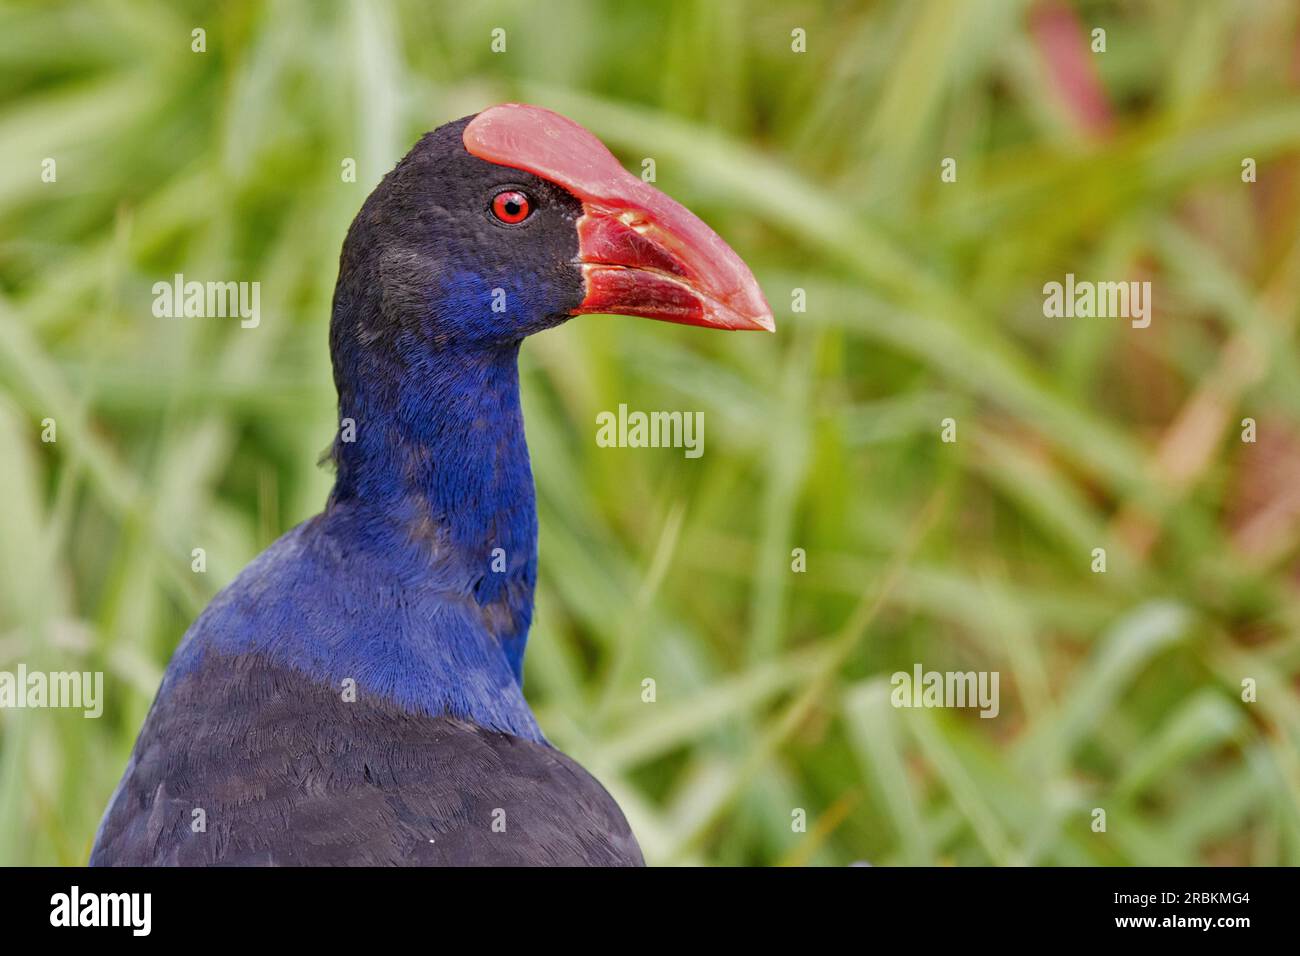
(435, 498)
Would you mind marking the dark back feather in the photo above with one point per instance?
(286, 773)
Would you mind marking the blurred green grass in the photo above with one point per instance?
(1119, 690)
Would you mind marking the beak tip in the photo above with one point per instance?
(750, 314)
(760, 313)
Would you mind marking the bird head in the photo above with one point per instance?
(516, 219)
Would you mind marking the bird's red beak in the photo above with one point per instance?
(642, 253)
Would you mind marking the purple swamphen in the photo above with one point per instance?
(355, 695)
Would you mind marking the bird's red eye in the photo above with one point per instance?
(511, 206)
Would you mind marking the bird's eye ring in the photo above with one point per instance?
(511, 206)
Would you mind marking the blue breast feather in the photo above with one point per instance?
(306, 604)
